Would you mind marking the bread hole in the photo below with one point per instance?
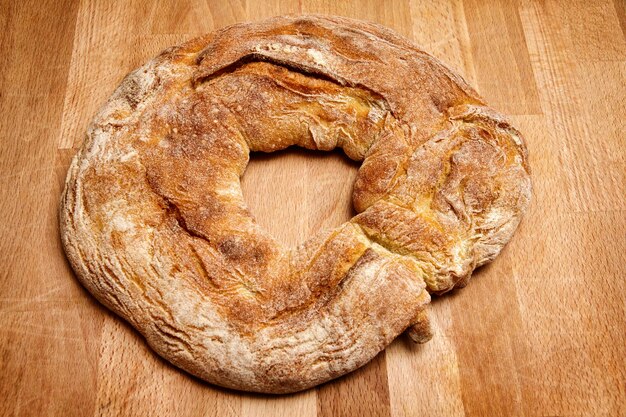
(296, 193)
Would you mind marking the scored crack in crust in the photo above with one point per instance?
(154, 223)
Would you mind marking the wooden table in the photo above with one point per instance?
(540, 332)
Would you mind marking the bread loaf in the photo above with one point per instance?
(155, 226)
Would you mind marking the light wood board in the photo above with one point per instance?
(540, 332)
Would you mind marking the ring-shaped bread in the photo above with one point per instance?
(155, 225)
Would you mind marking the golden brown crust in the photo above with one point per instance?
(154, 222)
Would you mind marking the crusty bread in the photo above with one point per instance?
(154, 223)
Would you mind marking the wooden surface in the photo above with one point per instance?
(540, 332)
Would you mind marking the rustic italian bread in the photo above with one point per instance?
(154, 223)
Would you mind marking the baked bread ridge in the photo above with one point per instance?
(155, 226)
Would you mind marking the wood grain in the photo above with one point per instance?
(541, 331)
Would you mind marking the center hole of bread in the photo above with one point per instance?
(296, 193)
